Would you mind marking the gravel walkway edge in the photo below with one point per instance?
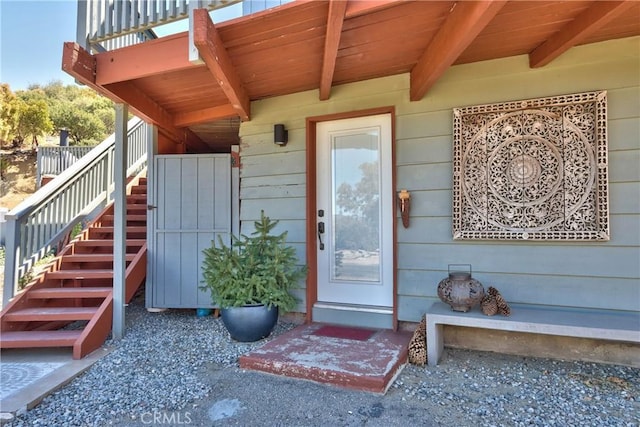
(174, 361)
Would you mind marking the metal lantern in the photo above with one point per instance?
(460, 290)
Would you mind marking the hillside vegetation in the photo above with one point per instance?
(29, 117)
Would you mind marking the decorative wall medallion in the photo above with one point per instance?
(534, 169)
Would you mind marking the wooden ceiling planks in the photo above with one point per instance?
(626, 25)
(190, 90)
(584, 24)
(518, 28)
(372, 46)
(281, 51)
(288, 23)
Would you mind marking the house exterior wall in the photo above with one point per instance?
(590, 275)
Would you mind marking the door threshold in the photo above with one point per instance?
(365, 316)
(354, 307)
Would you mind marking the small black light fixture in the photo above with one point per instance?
(280, 135)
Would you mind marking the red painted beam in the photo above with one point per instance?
(465, 21)
(166, 54)
(215, 55)
(577, 30)
(335, 20)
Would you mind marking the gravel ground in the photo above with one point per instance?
(174, 368)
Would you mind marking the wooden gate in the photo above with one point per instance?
(191, 207)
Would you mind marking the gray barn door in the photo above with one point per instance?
(192, 196)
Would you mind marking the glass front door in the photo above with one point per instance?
(355, 208)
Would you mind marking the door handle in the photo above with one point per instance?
(320, 233)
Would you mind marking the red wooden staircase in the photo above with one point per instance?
(70, 304)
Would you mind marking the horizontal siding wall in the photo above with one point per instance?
(574, 274)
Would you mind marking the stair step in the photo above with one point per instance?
(130, 229)
(93, 257)
(79, 274)
(108, 242)
(139, 189)
(70, 292)
(136, 198)
(130, 218)
(20, 339)
(41, 314)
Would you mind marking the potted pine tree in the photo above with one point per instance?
(251, 280)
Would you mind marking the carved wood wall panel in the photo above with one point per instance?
(533, 169)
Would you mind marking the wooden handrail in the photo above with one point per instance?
(47, 216)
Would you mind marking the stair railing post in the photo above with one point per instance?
(152, 152)
(194, 54)
(119, 221)
(39, 165)
(82, 30)
(12, 260)
(108, 167)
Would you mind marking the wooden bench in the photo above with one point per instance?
(598, 324)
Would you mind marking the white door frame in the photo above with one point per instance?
(312, 238)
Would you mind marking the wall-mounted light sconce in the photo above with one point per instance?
(404, 197)
(280, 135)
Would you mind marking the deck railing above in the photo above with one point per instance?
(37, 224)
(109, 24)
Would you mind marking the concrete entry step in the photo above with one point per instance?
(344, 360)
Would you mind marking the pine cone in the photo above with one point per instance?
(503, 307)
(418, 345)
(492, 291)
(489, 305)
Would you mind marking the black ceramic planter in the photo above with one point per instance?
(249, 323)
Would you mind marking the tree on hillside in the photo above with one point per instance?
(9, 109)
(358, 211)
(87, 116)
(84, 128)
(41, 110)
(34, 120)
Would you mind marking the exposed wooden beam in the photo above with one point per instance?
(335, 20)
(362, 7)
(162, 55)
(465, 21)
(78, 63)
(205, 115)
(81, 65)
(146, 107)
(151, 112)
(215, 55)
(577, 30)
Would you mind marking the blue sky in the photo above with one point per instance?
(32, 34)
(31, 37)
